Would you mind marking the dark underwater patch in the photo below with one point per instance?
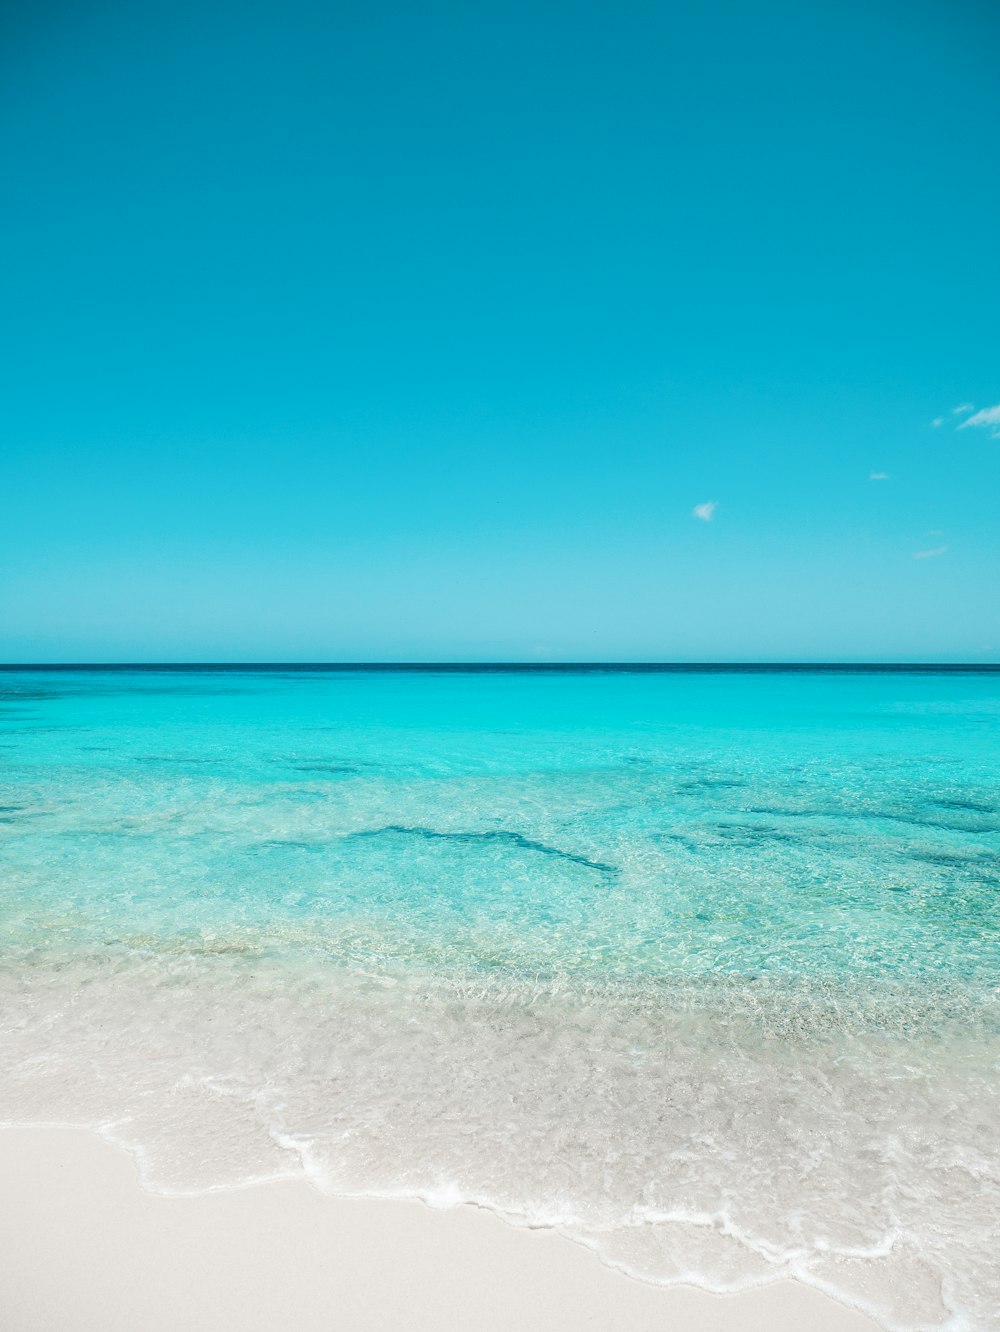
(44, 730)
(689, 843)
(498, 836)
(986, 860)
(749, 833)
(917, 819)
(974, 806)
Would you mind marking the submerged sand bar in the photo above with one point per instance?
(85, 1249)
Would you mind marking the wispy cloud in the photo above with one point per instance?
(929, 554)
(704, 511)
(961, 410)
(987, 419)
(878, 476)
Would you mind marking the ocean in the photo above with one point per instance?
(699, 966)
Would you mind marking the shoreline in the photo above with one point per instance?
(87, 1249)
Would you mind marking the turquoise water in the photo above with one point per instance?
(701, 968)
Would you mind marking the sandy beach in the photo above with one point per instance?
(87, 1250)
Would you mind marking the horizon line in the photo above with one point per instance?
(484, 666)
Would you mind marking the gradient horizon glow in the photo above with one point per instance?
(366, 332)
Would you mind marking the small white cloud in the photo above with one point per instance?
(938, 421)
(704, 511)
(929, 554)
(962, 408)
(987, 419)
(878, 476)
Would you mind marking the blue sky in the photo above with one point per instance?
(383, 331)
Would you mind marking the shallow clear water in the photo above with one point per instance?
(701, 968)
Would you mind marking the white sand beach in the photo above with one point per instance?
(85, 1249)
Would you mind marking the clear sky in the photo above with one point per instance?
(345, 331)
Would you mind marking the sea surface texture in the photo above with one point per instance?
(700, 968)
